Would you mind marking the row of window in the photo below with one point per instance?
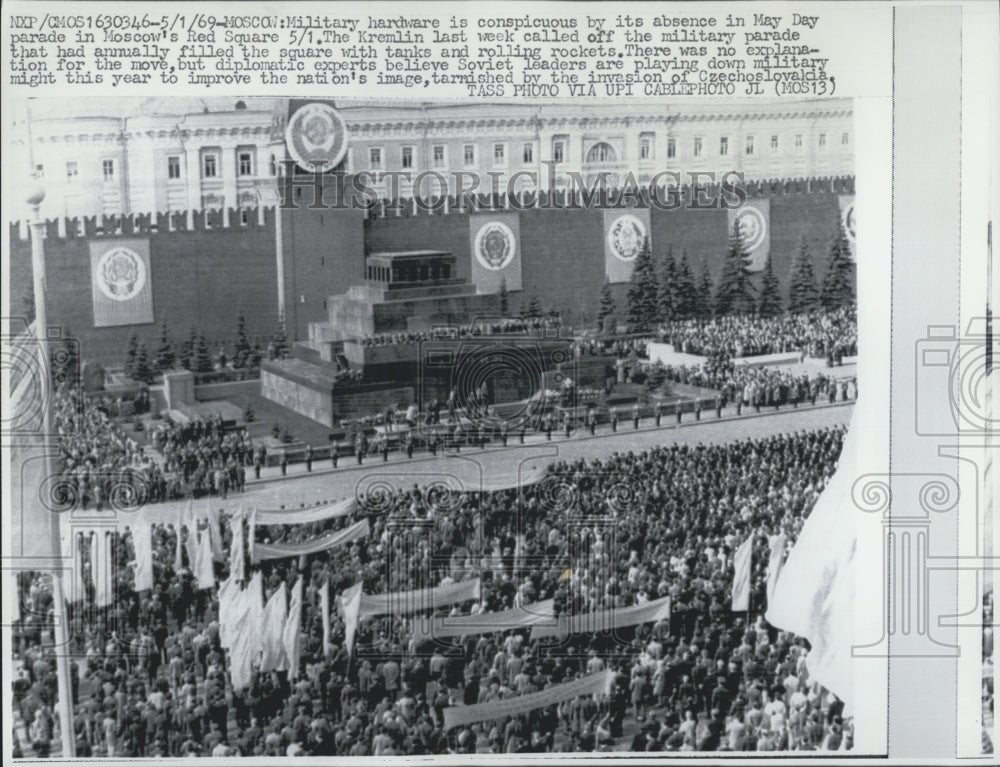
(210, 167)
(599, 153)
(439, 155)
(108, 168)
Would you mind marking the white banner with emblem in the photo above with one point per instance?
(122, 282)
(847, 220)
(754, 218)
(625, 231)
(495, 245)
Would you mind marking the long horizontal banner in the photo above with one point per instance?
(595, 684)
(485, 623)
(605, 620)
(342, 508)
(265, 551)
(405, 602)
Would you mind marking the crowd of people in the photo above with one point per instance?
(471, 330)
(103, 466)
(204, 456)
(760, 386)
(821, 334)
(153, 679)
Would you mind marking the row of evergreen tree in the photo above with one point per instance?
(194, 353)
(670, 290)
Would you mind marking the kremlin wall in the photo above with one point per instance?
(206, 268)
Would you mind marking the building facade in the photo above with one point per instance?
(169, 154)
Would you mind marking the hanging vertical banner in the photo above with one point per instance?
(142, 543)
(754, 219)
(742, 563)
(495, 245)
(121, 282)
(324, 614)
(847, 219)
(625, 231)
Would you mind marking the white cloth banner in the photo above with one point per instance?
(606, 620)
(237, 567)
(814, 595)
(204, 565)
(594, 684)
(229, 610)
(142, 542)
(485, 623)
(742, 563)
(272, 631)
(324, 612)
(244, 633)
(265, 551)
(342, 508)
(191, 542)
(776, 543)
(102, 568)
(292, 635)
(215, 530)
(350, 606)
(406, 602)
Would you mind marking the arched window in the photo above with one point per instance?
(602, 152)
(241, 106)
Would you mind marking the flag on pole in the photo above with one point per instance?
(741, 576)
(179, 548)
(142, 542)
(814, 597)
(245, 632)
(103, 568)
(215, 531)
(776, 544)
(272, 631)
(292, 635)
(350, 604)
(237, 561)
(324, 608)
(204, 567)
(191, 542)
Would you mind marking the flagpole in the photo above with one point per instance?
(60, 634)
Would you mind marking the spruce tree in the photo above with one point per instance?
(534, 307)
(838, 282)
(202, 357)
(241, 354)
(803, 295)
(165, 355)
(769, 303)
(187, 350)
(142, 370)
(643, 309)
(280, 341)
(734, 293)
(705, 306)
(130, 355)
(686, 292)
(665, 298)
(608, 307)
(64, 361)
(503, 297)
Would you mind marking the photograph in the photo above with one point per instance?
(378, 428)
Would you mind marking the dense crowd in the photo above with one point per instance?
(153, 678)
(826, 334)
(758, 385)
(472, 330)
(105, 466)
